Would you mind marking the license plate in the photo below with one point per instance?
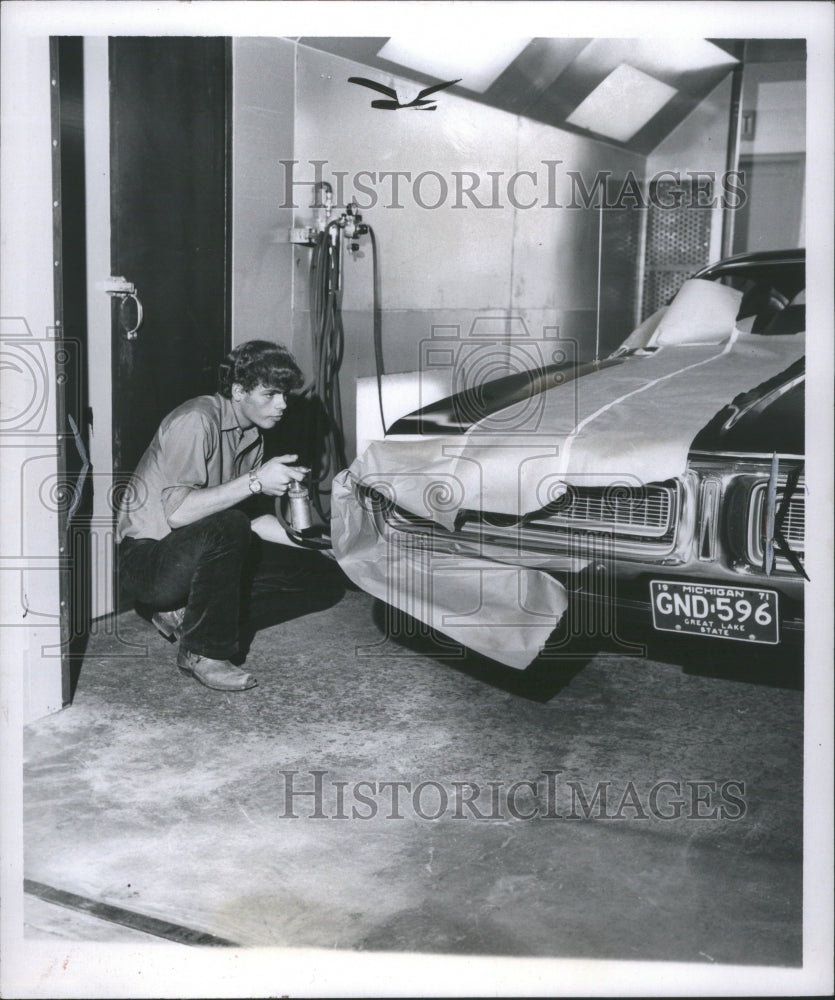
(744, 613)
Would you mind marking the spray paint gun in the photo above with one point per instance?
(299, 517)
(352, 226)
(299, 506)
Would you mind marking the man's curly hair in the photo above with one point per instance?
(259, 362)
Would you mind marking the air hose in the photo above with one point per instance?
(325, 295)
(328, 341)
(378, 326)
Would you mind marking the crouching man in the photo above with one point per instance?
(189, 550)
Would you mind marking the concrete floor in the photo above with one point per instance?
(165, 800)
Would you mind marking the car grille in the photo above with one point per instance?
(645, 512)
(794, 524)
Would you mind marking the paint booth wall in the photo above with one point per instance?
(700, 143)
(263, 86)
(444, 262)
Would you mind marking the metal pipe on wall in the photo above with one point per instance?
(732, 156)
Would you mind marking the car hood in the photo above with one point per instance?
(511, 446)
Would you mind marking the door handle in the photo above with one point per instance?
(125, 290)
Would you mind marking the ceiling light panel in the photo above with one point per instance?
(622, 103)
(677, 56)
(476, 64)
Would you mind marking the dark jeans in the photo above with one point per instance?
(229, 580)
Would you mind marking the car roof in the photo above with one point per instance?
(749, 261)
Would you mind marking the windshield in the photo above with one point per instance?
(773, 294)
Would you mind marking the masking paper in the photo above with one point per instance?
(630, 423)
(504, 611)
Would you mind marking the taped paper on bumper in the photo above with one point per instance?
(503, 611)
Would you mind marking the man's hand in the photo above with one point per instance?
(276, 476)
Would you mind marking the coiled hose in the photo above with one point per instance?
(328, 340)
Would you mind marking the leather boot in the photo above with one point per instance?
(169, 624)
(220, 675)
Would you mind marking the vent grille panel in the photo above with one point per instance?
(794, 524)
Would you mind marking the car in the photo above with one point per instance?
(665, 480)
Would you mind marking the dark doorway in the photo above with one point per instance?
(169, 164)
(169, 228)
